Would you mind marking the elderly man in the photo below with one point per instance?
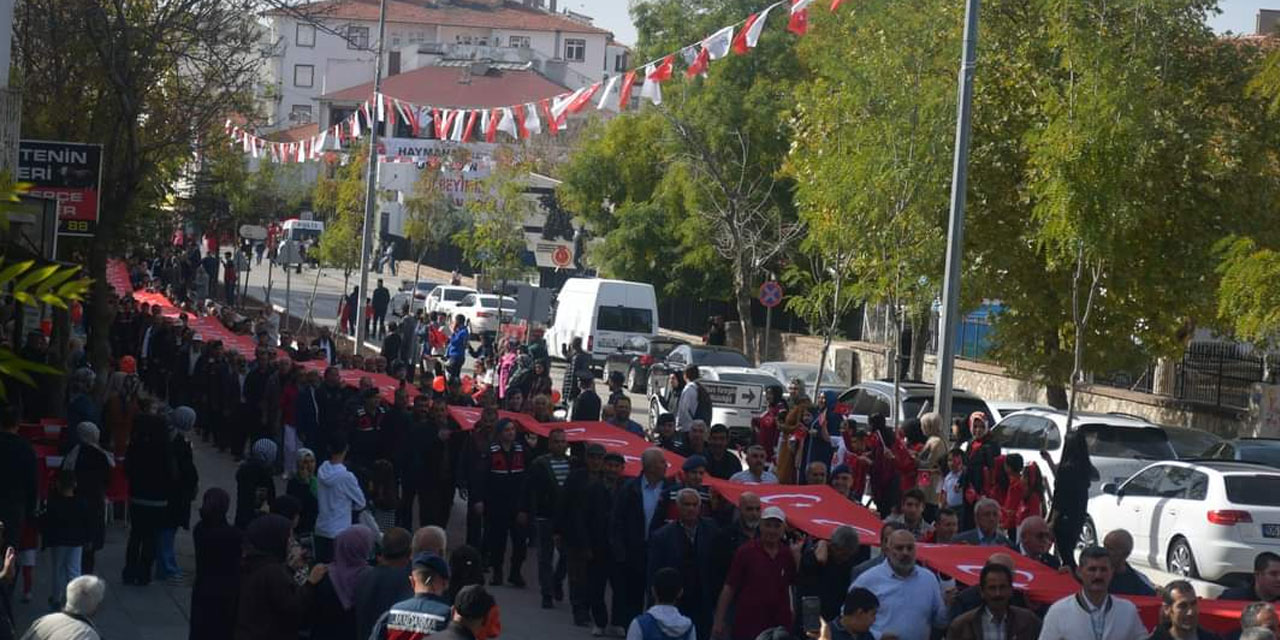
(911, 600)
(911, 514)
(686, 546)
(1091, 613)
(755, 473)
(1034, 540)
(84, 595)
(639, 509)
(971, 598)
(1124, 580)
(986, 514)
(886, 530)
(825, 566)
(1180, 614)
(816, 473)
(996, 616)
(430, 539)
(759, 583)
(1258, 615)
(1266, 581)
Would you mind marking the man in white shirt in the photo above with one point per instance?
(1093, 614)
(339, 495)
(912, 604)
(687, 407)
(755, 473)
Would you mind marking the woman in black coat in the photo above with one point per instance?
(182, 490)
(150, 468)
(218, 549)
(92, 466)
(255, 483)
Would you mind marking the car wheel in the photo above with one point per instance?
(1180, 560)
(654, 411)
(633, 381)
(1088, 535)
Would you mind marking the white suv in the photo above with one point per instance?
(1118, 445)
(1202, 519)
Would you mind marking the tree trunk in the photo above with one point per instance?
(99, 347)
(742, 295)
(1057, 396)
(918, 344)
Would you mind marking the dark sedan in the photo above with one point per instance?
(636, 355)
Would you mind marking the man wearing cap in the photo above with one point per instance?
(759, 583)
(471, 611)
(686, 545)
(639, 509)
(427, 612)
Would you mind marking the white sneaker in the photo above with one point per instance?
(597, 632)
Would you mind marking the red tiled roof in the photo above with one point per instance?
(294, 134)
(440, 87)
(457, 14)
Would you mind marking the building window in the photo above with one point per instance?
(395, 41)
(305, 35)
(304, 75)
(462, 38)
(519, 42)
(357, 37)
(300, 113)
(575, 50)
(620, 62)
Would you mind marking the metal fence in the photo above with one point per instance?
(1211, 373)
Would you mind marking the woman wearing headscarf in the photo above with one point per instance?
(304, 488)
(218, 550)
(122, 405)
(929, 460)
(1072, 476)
(333, 612)
(271, 605)
(92, 466)
(151, 471)
(979, 471)
(255, 485)
(182, 491)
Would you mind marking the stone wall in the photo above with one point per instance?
(867, 361)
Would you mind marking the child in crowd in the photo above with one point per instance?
(65, 527)
(952, 493)
(1015, 493)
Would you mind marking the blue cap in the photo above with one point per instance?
(431, 561)
(693, 462)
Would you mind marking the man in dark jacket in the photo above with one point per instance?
(996, 585)
(381, 300)
(579, 363)
(586, 406)
(18, 478)
(422, 443)
(1266, 581)
(637, 513)
(380, 588)
(686, 546)
(331, 398)
(427, 612)
(572, 527)
(824, 569)
(502, 501)
(547, 477)
(473, 466)
(721, 463)
(150, 470)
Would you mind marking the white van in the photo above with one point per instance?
(302, 230)
(604, 313)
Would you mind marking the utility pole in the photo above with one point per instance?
(371, 196)
(955, 226)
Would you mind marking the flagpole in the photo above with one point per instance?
(370, 198)
(955, 230)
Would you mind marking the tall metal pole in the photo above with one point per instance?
(371, 196)
(955, 231)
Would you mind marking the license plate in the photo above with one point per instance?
(1271, 530)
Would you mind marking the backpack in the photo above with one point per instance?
(649, 629)
(703, 410)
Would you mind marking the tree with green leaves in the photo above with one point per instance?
(339, 198)
(431, 215)
(145, 79)
(494, 238)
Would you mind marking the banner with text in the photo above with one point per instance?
(69, 173)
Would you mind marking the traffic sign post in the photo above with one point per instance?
(770, 297)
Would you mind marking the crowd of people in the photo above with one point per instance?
(336, 524)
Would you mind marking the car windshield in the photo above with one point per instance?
(1127, 442)
(1260, 453)
(960, 407)
(1189, 443)
(810, 375)
(717, 358)
(628, 319)
(1258, 491)
(454, 295)
(748, 378)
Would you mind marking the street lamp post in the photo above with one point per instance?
(371, 196)
(955, 226)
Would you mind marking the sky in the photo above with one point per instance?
(1237, 15)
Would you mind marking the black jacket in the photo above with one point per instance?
(271, 605)
(65, 522)
(301, 491)
(627, 525)
(381, 298)
(586, 407)
(18, 481)
(725, 467)
(217, 580)
(250, 477)
(669, 546)
(186, 483)
(829, 581)
(149, 463)
(545, 494)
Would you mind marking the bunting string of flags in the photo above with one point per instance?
(520, 121)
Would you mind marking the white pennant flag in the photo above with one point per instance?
(253, 149)
(800, 5)
(484, 122)
(532, 122)
(717, 45)
(608, 91)
(302, 151)
(382, 115)
(459, 123)
(753, 32)
(355, 124)
(507, 124)
(651, 90)
(560, 103)
(318, 146)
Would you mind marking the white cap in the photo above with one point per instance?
(773, 513)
